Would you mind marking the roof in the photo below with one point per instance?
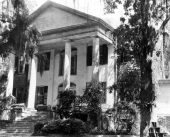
(48, 3)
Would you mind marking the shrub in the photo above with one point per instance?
(126, 118)
(66, 99)
(38, 128)
(52, 127)
(69, 126)
(73, 127)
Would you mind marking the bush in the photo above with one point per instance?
(38, 128)
(69, 126)
(126, 118)
(73, 127)
(52, 127)
(66, 99)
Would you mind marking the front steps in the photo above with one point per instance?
(24, 124)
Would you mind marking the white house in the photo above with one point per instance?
(79, 48)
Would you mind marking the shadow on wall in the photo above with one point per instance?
(112, 69)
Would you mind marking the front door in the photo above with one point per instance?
(20, 94)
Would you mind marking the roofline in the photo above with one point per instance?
(73, 11)
(68, 28)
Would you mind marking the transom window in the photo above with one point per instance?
(72, 87)
(73, 69)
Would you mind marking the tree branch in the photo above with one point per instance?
(161, 28)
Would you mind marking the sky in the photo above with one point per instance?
(92, 7)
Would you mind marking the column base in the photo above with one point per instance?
(31, 109)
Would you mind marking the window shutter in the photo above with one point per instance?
(45, 89)
(14, 92)
(47, 62)
(61, 65)
(105, 54)
(38, 67)
(101, 55)
(74, 65)
(89, 56)
(45, 94)
(16, 64)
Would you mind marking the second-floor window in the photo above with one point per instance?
(46, 63)
(73, 69)
(103, 52)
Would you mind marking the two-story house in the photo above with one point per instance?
(79, 49)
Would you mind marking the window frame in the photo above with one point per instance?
(19, 65)
(73, 71)
(103, 55)
(45, 89)
(89, 55)
(103, 52)
(46, 68)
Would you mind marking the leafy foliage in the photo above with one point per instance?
(18, 36)
(125, 117)
(66, 100)
(138, 38)
(67, 127)
(52, 127)
(93, 97)
(38, 126)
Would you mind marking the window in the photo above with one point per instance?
(61, 65)
(103, 52)
(19, 65)
(73, 69)
(74, 63)
(42, 95)
(89, 55)
(47, 62)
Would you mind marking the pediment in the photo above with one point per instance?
(54, 18)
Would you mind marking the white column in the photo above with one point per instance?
(111, 75)
(10, 75)
(67, 64)
(32, 84)
(52, 73)
(95, 63)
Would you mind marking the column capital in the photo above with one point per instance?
(68, 40)
(95, 36)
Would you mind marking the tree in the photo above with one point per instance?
(138, 38)
(16, 35)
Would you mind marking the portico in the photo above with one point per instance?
(79, 49)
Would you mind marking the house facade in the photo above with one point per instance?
(79, 48)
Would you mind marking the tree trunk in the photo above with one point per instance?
(147, 95)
